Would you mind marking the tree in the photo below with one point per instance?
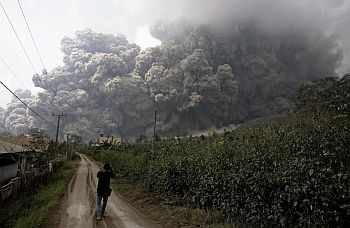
(38, 139)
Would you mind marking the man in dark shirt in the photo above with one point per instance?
(103, 189)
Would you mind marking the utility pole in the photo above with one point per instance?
(154, 129)
(58, 123)
(68, 146)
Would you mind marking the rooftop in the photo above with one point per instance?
(6, 147)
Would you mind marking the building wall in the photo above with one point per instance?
(8, 172)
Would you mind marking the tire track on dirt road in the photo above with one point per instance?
(78, 210)
(77, 207)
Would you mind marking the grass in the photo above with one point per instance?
(31, 210)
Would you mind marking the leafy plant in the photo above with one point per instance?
(292, 173)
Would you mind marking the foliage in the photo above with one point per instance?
(38, 139)
(75, 140)
(325, 96)
(292, 173)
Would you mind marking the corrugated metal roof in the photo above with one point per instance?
(6, 147)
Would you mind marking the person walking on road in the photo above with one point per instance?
(103, 189)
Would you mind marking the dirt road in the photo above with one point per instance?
(78, 210)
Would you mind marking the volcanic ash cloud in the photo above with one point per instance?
(202, 75)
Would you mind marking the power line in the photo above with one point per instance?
(19, 40)
(31, 35)
(13, 73)
(23, 102)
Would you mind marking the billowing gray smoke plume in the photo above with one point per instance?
(2, 126)
(15, 117)
(107, 85)
(208, 71)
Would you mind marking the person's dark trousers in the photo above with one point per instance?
(100, 210)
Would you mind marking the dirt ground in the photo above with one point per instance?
(78, 206)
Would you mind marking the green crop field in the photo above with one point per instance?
(293, 172)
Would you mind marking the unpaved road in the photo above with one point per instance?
(78, 209)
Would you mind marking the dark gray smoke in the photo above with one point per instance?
(2, 114)
(230, 62)
(15, 117)
(101, 90)
(268, 66)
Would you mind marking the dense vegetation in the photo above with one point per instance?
(293, 172)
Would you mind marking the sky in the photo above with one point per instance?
(51, 20)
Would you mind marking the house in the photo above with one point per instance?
(8, 168)
(9, 161)
(19, 166)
